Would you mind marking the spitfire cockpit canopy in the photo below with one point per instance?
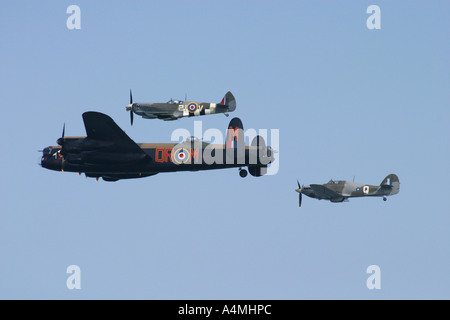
(171, 101)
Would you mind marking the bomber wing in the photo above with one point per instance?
(323, 192)
(101, 127)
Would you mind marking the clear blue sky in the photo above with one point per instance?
(348, 101)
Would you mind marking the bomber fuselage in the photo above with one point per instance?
(96, 160)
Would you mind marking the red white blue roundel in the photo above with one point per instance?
(181, 156)
(192, 107)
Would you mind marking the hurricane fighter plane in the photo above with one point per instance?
(175, 109)
(339, 191)
(108, 152)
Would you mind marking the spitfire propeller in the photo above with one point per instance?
(130, 108)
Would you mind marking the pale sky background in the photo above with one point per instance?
(348, 101)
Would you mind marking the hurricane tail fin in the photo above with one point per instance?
(392, 181)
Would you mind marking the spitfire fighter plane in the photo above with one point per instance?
(175, 109)
(108, 152)
(339, 191)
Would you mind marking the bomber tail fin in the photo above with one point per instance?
(235, 134)
(229, 101)
(393, 182)
(259, 168)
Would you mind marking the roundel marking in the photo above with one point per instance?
(181, 156)
(192, 107)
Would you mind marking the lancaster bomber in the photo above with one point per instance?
(339, 191)
(107, 152)
(175, 109)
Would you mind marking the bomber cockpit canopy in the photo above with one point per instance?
(193, 142)
(50, 151)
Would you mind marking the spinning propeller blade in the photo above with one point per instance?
(131, 108)
(60, 141)
(299, 190)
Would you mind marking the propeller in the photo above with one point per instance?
(130, 108)
(299, 190)
(131, 117)
(61, 142)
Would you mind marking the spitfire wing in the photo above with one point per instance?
(101, 127)
(324, 193)
(162, 114)
(163, 111)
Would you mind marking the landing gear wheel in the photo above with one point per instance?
(243, 173)
(384, 198)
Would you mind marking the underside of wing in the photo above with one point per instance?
(156, 109)
(324, 193)
(163, 115)
(167, 118)
(101, 127)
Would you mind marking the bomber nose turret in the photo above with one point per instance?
(52, 159)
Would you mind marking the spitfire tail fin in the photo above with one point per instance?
(229, 101)
(392, 181)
